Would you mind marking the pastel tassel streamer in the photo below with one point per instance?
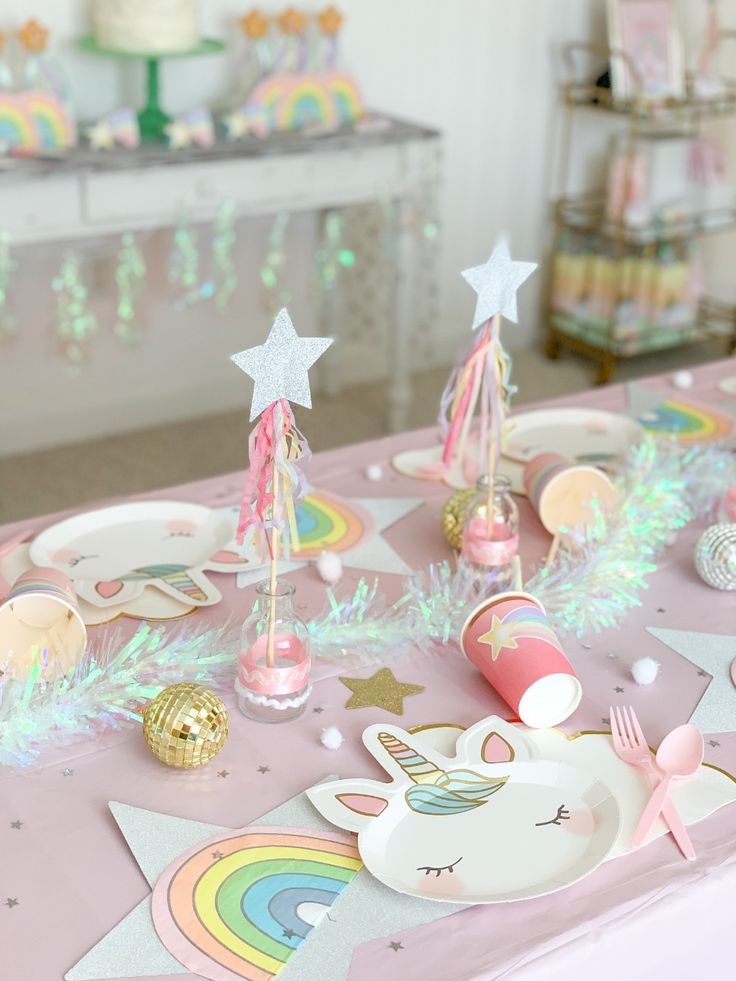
(224, 277)
(75, 323)
(277, 450)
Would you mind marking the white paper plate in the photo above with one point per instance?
(584, 435)
(521, 860)
(114, 554)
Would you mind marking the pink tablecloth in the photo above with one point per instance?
(649, 915)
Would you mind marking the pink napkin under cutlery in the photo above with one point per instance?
(631, 746)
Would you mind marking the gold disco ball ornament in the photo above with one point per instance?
(185, 725)
(453, 516)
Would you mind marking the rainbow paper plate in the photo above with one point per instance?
(690, 422)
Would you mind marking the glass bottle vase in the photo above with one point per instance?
(489, 547)
(273, 682)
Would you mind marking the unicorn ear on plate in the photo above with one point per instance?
(493, 740)
(349, 804)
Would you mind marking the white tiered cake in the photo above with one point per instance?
(155, 26)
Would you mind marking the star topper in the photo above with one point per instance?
(496, 284)
(280, 367)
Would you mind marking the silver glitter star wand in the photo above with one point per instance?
(278, 452)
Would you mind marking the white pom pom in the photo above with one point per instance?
(331, 738)
(374, 472)
(645, 670)
(683, 379)
(329, 566)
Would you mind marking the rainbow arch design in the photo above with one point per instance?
(346, 97)
(237, 906)
(691, 423)
(305, 101)
(55, 127)
(524, 622)
(325, 522)
(17, 126)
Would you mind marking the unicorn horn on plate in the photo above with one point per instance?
(415, 766)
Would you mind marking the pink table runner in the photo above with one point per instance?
(74, 878)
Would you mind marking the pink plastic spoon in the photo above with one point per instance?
(680, 755)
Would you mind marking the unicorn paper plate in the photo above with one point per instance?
(491, 825)
(114, 554)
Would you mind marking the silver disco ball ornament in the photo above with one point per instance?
(715, 556)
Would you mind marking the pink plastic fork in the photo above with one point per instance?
(631, 747)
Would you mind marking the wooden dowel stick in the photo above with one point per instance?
(553, 549)
(272, 576)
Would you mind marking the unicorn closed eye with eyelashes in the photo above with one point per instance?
(490, 825)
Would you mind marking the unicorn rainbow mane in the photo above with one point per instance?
(438, 791)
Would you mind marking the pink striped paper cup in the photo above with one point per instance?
(561, 492)
(510, 640)
(40, 623)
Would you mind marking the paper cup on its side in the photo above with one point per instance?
(561, 492)
(510, 640)
(40, 623)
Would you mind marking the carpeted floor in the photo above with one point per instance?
(70, 476)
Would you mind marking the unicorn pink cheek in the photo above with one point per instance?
(446, 884)
(580, 823)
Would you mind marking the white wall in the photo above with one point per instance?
(485, 72)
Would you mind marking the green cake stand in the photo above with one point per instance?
(152, 119)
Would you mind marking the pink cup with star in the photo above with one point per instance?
(510, 640)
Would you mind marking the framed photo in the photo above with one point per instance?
(648, 33)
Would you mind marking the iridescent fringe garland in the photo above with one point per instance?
(108, 688)
(588, 588)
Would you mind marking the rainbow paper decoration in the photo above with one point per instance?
(35, 120)
(237, 906)
(689, 422)
(327, 522)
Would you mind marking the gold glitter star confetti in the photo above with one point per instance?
(33, 36)
(254, 24)
(381, 690)
(330, 20)
(291, 21)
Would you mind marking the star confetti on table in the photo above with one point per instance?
(16, 824)
(318, 710)
(396, 945)
(10, 903)
(67, 772)
(264, 769)
(713, 654)
(618, 689)
(223, 773)
(381, 690)
(714, 743)
(496, 284)
(280, 367)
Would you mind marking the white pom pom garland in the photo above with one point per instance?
(645, 670)
(374, 472)
(331, 737)
(329, 566)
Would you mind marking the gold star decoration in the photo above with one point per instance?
(254, 24)
(330, 20)
(33, 36)
(381, 690)
(291, 21)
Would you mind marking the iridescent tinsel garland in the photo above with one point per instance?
(109, 687)
(8, 265)
(75, 323)
(588, 588)
(130, 276)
